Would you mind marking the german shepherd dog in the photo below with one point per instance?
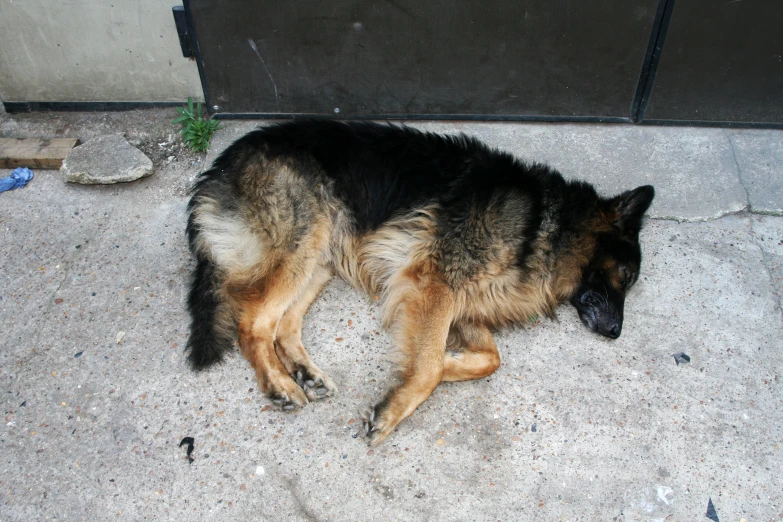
(458, 239)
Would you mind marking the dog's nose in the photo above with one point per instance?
(614, 333)
(611, 330)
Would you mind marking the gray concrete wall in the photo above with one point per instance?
(93, 50)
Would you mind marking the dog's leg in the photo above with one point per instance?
(315, 383)
(421, 325)
(478, 358)
(260, 310)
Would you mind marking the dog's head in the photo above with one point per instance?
(614, 265)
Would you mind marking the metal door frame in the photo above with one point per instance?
(641, 98)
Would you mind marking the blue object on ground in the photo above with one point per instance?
(18, 178)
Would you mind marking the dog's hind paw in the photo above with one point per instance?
(289, 402)
(316, 385)
(374, 429)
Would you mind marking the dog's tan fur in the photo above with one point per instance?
(428, 288)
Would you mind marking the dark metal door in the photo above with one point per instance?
(535, 59)
(722, 62)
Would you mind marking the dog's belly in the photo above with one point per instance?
(492, 291)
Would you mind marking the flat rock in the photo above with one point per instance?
(105, 160)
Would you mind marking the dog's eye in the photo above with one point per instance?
(625, 278)
(589, 299)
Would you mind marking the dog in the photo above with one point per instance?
(458, 240)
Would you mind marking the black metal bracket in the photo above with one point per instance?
(653, 55)
(182, 30)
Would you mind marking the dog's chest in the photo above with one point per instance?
(502, 296)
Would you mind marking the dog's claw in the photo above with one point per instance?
(369, 422)
(288, 403)
(376, 428)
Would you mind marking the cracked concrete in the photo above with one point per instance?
(571, 427)
(739, 174)
(760, 161)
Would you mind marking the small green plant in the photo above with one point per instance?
(196, 131)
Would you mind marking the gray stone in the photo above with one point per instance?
(759, 156)
(105, 160)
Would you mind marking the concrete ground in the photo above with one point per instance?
(97, 396)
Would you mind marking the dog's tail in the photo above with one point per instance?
(212, 327)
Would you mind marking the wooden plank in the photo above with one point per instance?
(35, 153)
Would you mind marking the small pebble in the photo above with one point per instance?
(711, 513)
(681, 357)
(78, 354)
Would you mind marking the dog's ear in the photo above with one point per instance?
(626, 210)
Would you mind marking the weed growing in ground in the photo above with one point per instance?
(196, 131)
